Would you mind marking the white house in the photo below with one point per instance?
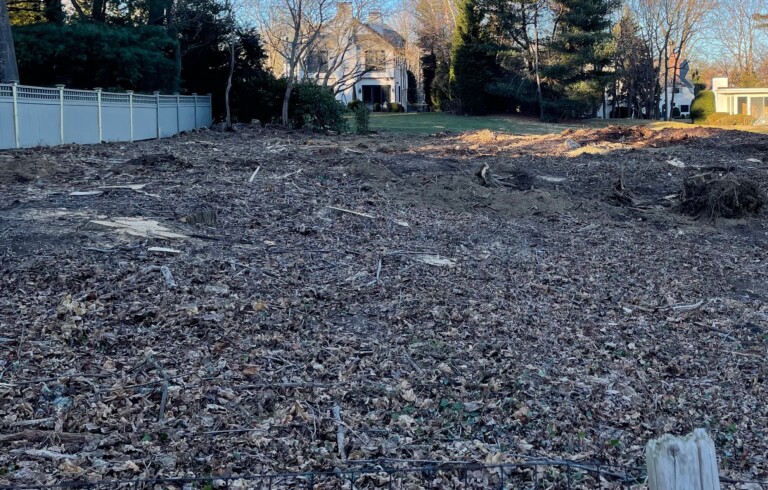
(750, 101)
(360, 60)
(683, 93)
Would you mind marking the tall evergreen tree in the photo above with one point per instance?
(634, 76)
(579, 54)
(9, 71)
(471, 59)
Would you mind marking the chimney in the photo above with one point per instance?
(375, 18)
(344, 9)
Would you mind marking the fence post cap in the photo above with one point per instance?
(156, 92)
(129, 91)
(97, 89)
(60, 86)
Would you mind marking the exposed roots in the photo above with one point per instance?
(712, 196)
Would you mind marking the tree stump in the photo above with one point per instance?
(682, 463)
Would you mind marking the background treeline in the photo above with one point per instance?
(553, 59)
(144, 45)
(568, 58)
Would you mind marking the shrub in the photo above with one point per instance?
(258, 98)
(702, 106)
(353, 105)
(376, 107)
(317, 108)
(725, 119)
(395, 107)
(676, 113)
(362, 119)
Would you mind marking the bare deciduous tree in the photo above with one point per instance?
(672, 27)
(337, 60)
(290, 30)
(740, 37)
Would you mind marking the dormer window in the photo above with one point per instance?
(375, 59)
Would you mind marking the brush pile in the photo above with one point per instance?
(713, 196)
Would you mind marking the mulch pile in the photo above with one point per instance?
(323, 284)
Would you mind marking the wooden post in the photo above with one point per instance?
(682, 463)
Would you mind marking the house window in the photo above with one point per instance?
(741, 105)
(684, 108)
(375, 94)
(677, 90)
(317, 62)
(375, 59)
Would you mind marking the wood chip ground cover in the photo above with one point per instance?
(446, 320)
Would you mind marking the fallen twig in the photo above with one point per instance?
(691, 307)
(349, 211)
(33, 435)
(43, 453)
(253, 175)
(27, 423)
(341, 431)
(285, 176)
(164, 396)
(168, 276)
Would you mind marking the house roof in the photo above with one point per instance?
(759, 91)
(392, 36)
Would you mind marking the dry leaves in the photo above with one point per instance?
(498, 322)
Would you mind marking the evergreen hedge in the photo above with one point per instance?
(703, 106)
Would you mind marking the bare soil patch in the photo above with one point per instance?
(446, 319)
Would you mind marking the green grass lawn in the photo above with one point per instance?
(433, 122)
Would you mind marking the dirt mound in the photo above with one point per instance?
(23, 170)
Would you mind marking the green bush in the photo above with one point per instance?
(395, 107)
(676, 113)
(376, 107)
(703, 106)
(316, 107)
(354, 104)
(362, 119)
(725, 119)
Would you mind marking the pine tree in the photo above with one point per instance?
(634, 75)
(578, 57)
(9, 71)
(471, 59)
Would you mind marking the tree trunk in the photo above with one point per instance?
(99, 12)
(229, 82)
(536, 62)
(682, 462)
(54, 13)
(666, 83)
(9, 70)
(286, 101)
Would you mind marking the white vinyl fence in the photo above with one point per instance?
(37, 116)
